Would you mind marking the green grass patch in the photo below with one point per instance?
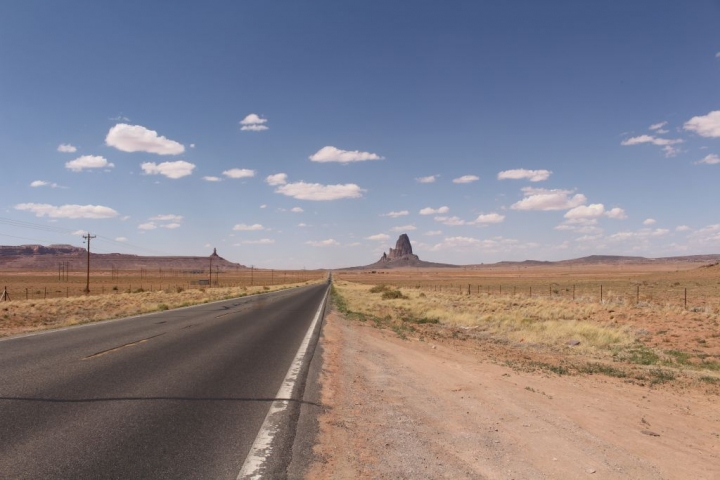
(601, 369)
(379, 288)
(392, 294)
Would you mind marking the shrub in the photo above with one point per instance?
(392, 294)
(162, 307)
(379, 288)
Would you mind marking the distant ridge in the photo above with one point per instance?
(43, 258)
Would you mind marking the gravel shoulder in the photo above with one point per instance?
(405, 408)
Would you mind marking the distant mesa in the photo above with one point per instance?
(402, 256)
(47, 257)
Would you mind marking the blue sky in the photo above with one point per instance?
(486, 131)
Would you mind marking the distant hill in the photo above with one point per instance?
(401, 256)
(39, 257)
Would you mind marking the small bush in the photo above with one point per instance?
(392, 294)
(266, 288)
(379, 288)
(162, 307)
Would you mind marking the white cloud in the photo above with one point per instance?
(711, 159)
(705, 126)
(67, 211)
(136, 138)
(262, 241)
(147, 226)
(276, 179)
(121, 239)
(682, 228)
(79, 232)
(456, 242)
(400, 213)
(380, 237)
(650, 139)
(657, 126)
(212, 179)
(316, 191)
(593, 210)
(167, 218)
(66, 148)
(173, 170)
(428, 179)
(545, 200)
(171, 226)
(489, 218)
(521, 173)
(323, 243)
(649, 221)
(617, 213)
(332, 154)
(302, 225)
(239, 173)
(434, 211)
(432, 233)
(241, 227)
(88, 161)
(404, 228)
(263, 206)
(466, 179)
(253, 123)
(717, 55)
(450, 221)
(43, 183)
(297, 210)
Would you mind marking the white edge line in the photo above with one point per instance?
(262, 446)
(148, 314)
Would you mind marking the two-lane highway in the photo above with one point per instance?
(178, 394)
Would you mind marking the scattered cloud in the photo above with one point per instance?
(66, 148)
(682, 228)
(323, 243)
(121, 239)
(276, 179)
(546, 200)
(253, 123)
(432, 233)
(650, 139)
(297, 210)
(466, 179)
(434, 211)
(593, 210)
(643, 233)
(397, 214)
(489, 218)
(147, 226)
(79, 232)
(212, 179)
(43, 183)
(450, 221)
(657, 126)
(88, 161)
(173, 170)
(263, 206)
(241, 227)
(428, 179)
(67, 211)
(262, 241)
(136, 138)
(239, 173)
(523, 174)
(649, 221)
(404, 228)
(705, 126)
(315, 191)
(380, 237)
(171, 226)
(617, 213)
(711, 159)
(302, 225)
(332, 154)
(167, 218)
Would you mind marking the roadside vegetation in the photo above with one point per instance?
(555, 335)
(21, 316)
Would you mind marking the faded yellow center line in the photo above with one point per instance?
(115, 349)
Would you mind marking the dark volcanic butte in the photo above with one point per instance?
(402, 256)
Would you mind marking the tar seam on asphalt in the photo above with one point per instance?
(110, 350)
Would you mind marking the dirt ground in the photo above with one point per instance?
(446, 408)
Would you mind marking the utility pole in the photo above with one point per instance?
(88, 237)
(252, 267)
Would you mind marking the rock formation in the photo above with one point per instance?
(403, 249)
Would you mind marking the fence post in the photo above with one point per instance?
(45, 298)
(601, 293)
(26, 294)
(500, 289)
(531, 292)
(573, 292)
(685, 298)
(468, 289)
(67, 292)
(637, 296)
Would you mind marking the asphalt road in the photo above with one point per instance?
(178, 394)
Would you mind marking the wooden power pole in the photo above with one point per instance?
(88, 237)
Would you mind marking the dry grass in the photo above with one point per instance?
(30, 315)
(518, 319)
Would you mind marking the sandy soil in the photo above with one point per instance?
(412, 409)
